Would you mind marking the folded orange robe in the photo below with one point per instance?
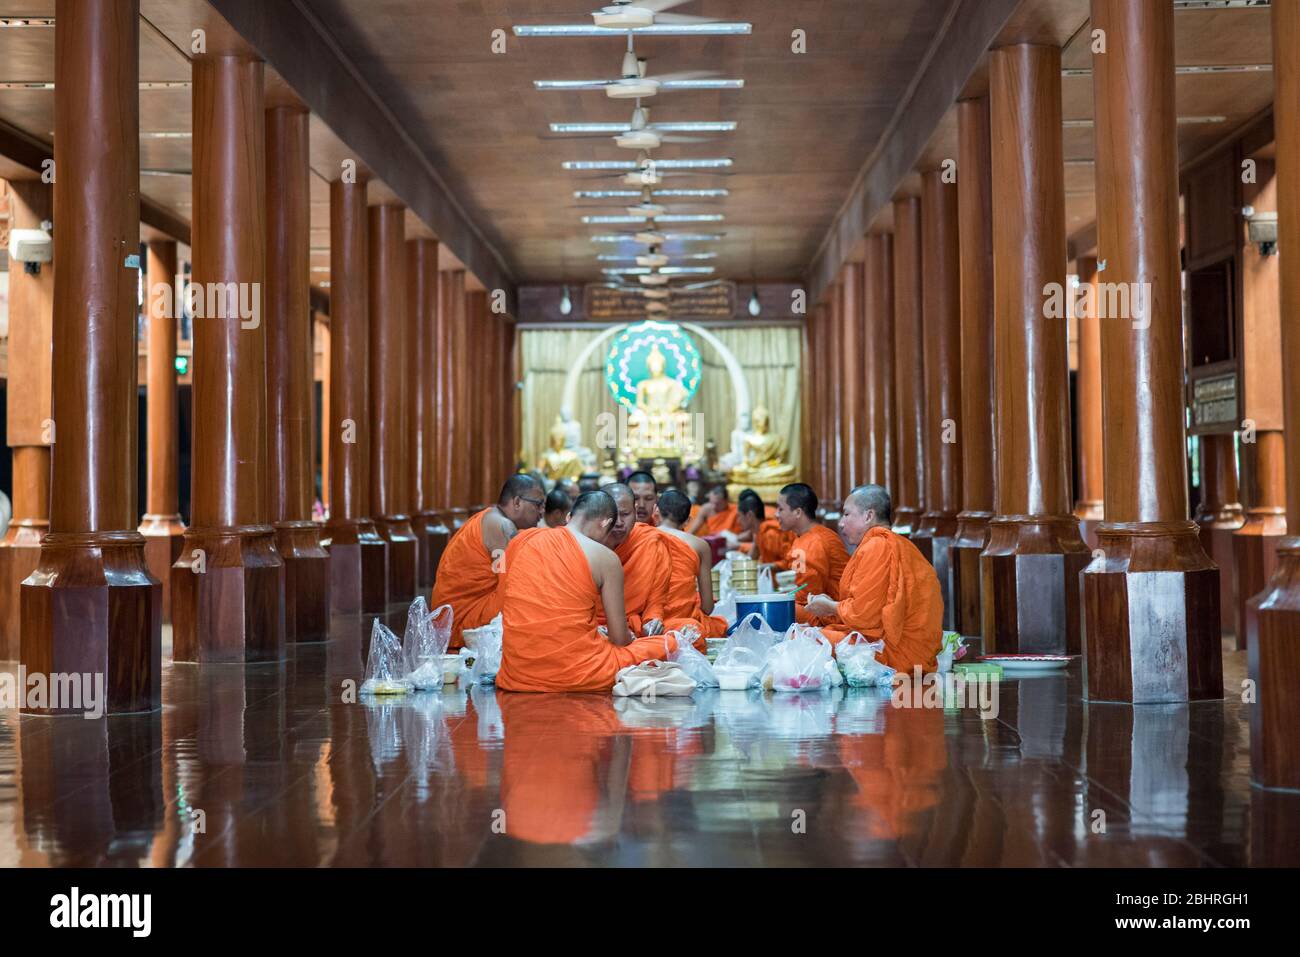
(466, 580)
(771, 546)
(727, 520)
(818, 558)
(646, 568)
(890, 591)
(683, 606)
(549, 606)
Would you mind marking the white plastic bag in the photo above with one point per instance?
(653, 679)
(424, 643)
(484, 645)
(765, 585)
(691, 661)
(857, 656)
(799, 662)
(742, 657)
(385, 669)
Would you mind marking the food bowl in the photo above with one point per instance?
(450, 669)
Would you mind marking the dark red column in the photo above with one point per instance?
(909, 361)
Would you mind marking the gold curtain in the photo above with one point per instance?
(769, 356)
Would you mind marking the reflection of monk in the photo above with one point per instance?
(897, 773)
(690, 585)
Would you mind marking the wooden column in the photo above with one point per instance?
(1152, 598)
(390, 468)
(877, 436)
(1219, 515)
(1088, 502)
(460, 419)
(975, 228)
(28, 414)
(91, 606)
(832, 369)
(321, 434)
(228, 585)
(451, 302)
(510, 411)
(290, 376)
(822, 424)
(422, 308)
(909, 363)
(853, 378)
(162, 527)
(1030, 568)
(941, 310)
(358, 554)
(1274, 648)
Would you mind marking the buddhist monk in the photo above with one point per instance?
(558, 582)
(557, 507)
(690, 585)
(570, 488)
(645, 497)
(887, 591)
(768, 545)
(470, 564)
(817, 554)
(716, 516)
(646, 564)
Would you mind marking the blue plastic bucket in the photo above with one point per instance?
(777, 609)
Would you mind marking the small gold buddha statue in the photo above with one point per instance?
(764, 467)
(559, 462)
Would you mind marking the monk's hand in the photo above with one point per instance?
(822, 606)
(654, 627)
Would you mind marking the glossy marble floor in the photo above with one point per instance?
(268, 766)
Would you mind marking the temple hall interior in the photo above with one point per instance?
(650, 433)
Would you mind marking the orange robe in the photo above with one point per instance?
(818, 558)
(684, 606)
(549, 606)
(646, 568)
(771, 546)
(890, 591)
(728, 520)
(466, 580)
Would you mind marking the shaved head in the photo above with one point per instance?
(593, 515)
(874, 497)
(522, 499)
(625, 503)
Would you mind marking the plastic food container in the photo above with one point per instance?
(734, 679)
(777, 609)
(450, 669)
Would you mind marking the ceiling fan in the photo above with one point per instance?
(648, 173)
(629, 14)
(639, 134)
(633, 83)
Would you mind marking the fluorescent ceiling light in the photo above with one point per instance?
(668, 237)
(656, 30)
(634, 166)
(14, 23)
(699, 126)
(1182, 121)
(629, 271)
(657, 193)
(686, 270)
(663, 218)
(721, 84)
(615, 258)
(1192, 70)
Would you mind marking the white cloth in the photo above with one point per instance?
(654, 679)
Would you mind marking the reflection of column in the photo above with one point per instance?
(975, 226)
(908, 360)
(91, 605)
(877, 437)
(422, 305)
(941, 310)
(1219, 515)
(1030, 568)
(853, 361)
(1152, 600)
(1273, 649)
(290, 362)
(358, 555)
(1088, 503)
(31, 319)
(162, 527)
(228, 586)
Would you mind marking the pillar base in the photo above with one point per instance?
(1029, 585)
(163, 536)
(20, 554)
(1254, 559)
(306, 581)
(1090, 514)
(228, 596)
(432, 545)
(358, 567)
(1152, 606)
(971, 539)
(906, 520)
(1217, 531)
(403, 557)
(91, 606)
(934, 539)
(1272, 660)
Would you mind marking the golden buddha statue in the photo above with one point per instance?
(559, 462)
(764, 468)
(658, 423)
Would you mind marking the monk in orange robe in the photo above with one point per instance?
(767, 544)
(817, 554)
(645, 497)
(888, 590)
(690, 585)
(470, 564)
(556, 583)
(646, 564)
(716, 516)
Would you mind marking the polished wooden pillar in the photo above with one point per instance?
(820, 439)
(358, 554)
(91, 605)
(390, 365)
(1088, 506)
(941, 311)
(28, 391)
(1219, 515)
(290, 376)
(909, 363)
(853, 378)
(422, 309)
(228, 585)
(975, 229)
(832, 370)
(162, 527)
(510, 410)
(876, 432)
(1273, 655)
(451, 306)
(1152, 598)
(1030, 567)
(462, 438)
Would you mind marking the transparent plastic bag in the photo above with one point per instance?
(484, 645)
(765, 583)
(424, 643)
(742, 657)
(692, 662)
(799, 662)
(385, 668)
(857, 656)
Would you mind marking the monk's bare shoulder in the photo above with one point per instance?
(497, 525)
(702, 549)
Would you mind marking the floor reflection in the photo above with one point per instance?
(280, 765)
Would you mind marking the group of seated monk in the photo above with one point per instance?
(613, 575)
